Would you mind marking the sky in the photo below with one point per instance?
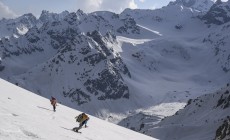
(14, 8)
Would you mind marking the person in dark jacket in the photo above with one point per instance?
(53, 102)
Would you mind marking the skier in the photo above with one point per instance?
(53, 102)
(82, 119)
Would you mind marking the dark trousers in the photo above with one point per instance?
(54, 107)
(83, 123)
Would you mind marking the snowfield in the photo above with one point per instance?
(25, 116)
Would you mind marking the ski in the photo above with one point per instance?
(75, 129)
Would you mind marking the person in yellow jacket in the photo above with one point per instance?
(82, 119)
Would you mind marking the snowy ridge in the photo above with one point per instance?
(200, 5)
(26, 116)
(21, 25)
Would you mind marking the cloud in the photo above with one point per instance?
(142, 1)
(153, 7)
(6, 12)
(132, 5)
(57, 6)
(108, 5)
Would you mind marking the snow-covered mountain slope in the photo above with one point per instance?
(202, 118)
(26, 116)
(170, 21)
(199, 42)
(170, 89)
(200, 5)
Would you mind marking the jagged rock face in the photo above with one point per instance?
(187, 3)
(105, 84)
(28, 19)
(200, 5)
(223, 132)
(50, 17)
(1, 66)
(224, 100)
(86, 53)
(129, 27)
(9, 49)
(218, 13)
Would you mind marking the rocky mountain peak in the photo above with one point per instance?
(218, 13)
(80, 12)
(47, 16)
(200, 5)
(27, 19)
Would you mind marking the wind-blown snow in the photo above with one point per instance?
(25, 116)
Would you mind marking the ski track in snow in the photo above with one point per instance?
(132, 41)
(155, 32)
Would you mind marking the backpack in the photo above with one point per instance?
(53, 101)
(79, 117)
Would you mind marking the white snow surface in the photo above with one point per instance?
(26, 116)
